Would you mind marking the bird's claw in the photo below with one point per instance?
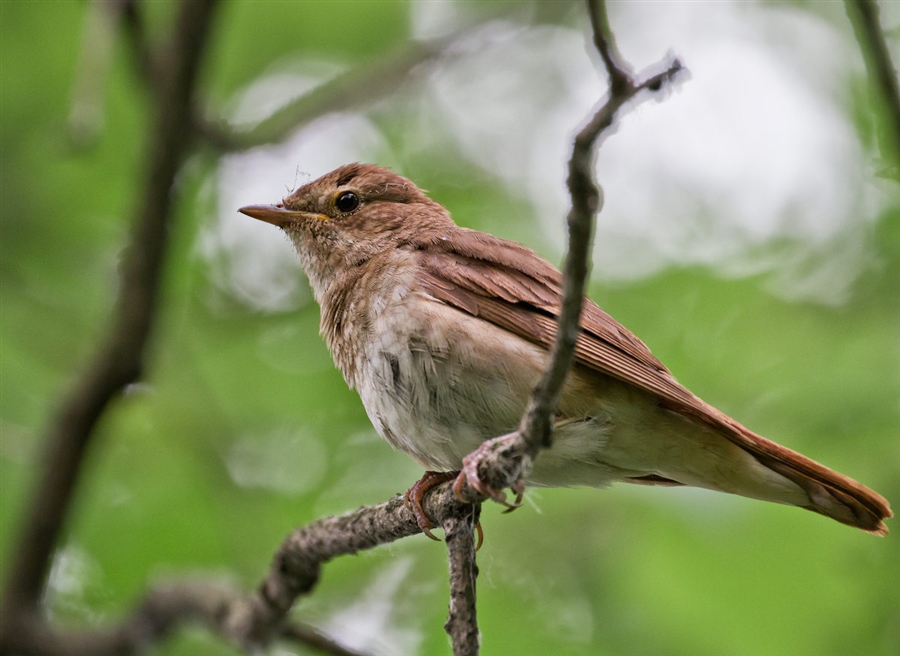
(468, 476)
(415, 494)
(519, 489)
(413, 500)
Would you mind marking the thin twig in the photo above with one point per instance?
(863, 16)
(357, 87)
(536, 427)
(505, 461)
(120, 358)
(510, 461)
(620, 79)
(462, 622)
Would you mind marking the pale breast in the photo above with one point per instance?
(436, 382)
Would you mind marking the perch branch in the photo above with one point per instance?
(256, 620)
(462, 623)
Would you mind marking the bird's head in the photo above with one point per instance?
(351, 214)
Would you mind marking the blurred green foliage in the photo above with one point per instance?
(244, 430)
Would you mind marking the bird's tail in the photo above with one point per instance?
(829, 493)
(762, 469)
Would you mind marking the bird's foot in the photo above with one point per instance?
(469, 474)
(415, 494)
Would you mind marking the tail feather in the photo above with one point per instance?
(830, 493)
(835, 495)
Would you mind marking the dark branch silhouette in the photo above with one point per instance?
(121, 357)
(864, 17)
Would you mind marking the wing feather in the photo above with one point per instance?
(509, 285)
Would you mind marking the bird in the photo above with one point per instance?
(444, 331)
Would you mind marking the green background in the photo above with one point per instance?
(244, 430)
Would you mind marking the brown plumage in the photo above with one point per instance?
(444, 330)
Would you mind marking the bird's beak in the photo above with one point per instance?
(278, 215)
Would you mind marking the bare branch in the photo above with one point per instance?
(359, 86)
(120, 358)
(863, 16)
(586, 201)
(161, 613)
(605, 42)
(162, 610)
(505, 461)
(462, 624)
(355, 88)
(255, 620)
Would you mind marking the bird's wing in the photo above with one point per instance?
(509, 285)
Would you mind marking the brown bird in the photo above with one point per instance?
(444, 331)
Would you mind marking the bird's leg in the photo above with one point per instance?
(469, 473)
(415, 494)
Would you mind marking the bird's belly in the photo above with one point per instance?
(438, 386)
(437, 389)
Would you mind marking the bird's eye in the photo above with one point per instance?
(347, 202)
